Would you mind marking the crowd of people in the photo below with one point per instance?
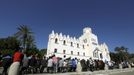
(23, 63)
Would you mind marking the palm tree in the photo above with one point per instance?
(23, 35)
(30, 42)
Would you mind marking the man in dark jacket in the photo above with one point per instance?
(43, 64)
(32, 64)
(91, 62)
(83, 65)
(6, 64)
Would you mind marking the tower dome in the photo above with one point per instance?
(87, 30)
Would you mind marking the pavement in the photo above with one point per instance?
(127, 71)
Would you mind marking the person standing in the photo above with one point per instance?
(61, 61)
(43, 64)
(25, 62)
(6, 63)
(74, 65)
(78, 67)
(33, 63)
(55, 63)
(91, 62)
(50, 65)
(65, 66)
(15, 66)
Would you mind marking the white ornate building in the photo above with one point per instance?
(84, 47)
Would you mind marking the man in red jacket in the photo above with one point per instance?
(15, 67)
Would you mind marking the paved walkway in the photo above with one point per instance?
(127, 71)
(101, 72)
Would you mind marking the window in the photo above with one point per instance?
(64, 42)
(71, 43)
(77, 45)
(56, 40)
(71, 52)
(95, 54)
(94, 43)
(83, 54)
(78, 53)
(94, 40)
(105, 49)
(64, 56)
(64, 51)
(101, 56)
(85, 40)
(55, 50)
(83, 46)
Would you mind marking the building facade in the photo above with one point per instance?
(84, 47)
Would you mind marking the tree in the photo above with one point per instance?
(131, 57)
(25, 35)
(122, 53)
(44, 51)
(121, 49)
(115, 57)
(30, 43)
(9, 43)
(32, 51)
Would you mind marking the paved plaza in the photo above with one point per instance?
(127, 71)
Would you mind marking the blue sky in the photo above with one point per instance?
(111, 20)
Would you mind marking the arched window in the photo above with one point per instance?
(78, 53)
(71, 43)
(64, 51)
(105, 49)
(101, 56)
(77, 45)
(55, 50)
(83, 47)
(71, 52)
(64, 42)
(95, 53)
(56, 40)
(84, 54)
